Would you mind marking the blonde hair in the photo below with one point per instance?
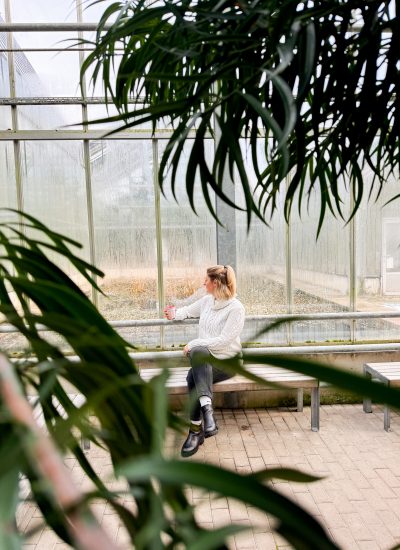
(225, 278)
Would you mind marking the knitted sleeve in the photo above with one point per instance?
(193, 310)
(230, 332)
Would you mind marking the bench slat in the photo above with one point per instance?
(177, 379)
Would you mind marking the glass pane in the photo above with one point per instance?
(100, 111)
(124, 221)
(5, 118)
(47, 74)
(8, 193)
(320, 272)
(260, 262)
(43, 11)
(49, 117)
(378, 261)
(189, 244)
(4, 75)
(92, 12)
(54, 190)
(56, 41)
(8, 199)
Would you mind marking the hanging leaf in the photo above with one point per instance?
(305, 73)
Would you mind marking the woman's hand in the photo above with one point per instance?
(169, 312)
(186, 351)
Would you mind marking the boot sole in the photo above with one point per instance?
(210, 434)
(186, 454)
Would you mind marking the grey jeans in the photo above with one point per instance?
(201, 377)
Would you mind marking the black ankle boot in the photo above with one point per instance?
(192, 443)
(209, 423)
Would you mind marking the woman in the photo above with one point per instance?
(221, 320)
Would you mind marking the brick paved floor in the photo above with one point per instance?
(358, 501)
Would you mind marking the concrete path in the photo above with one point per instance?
(358, 501)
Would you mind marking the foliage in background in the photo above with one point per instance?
(317, 81)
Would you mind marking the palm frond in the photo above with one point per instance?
(319, 79)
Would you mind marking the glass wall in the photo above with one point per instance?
(320, 270)
(46, 73)
(5, 118)
(261, 258)
(378, 260)
(53, 189)
(102, 191)
(8, 190)
(124, 227)
(49, 117)
(189, 244)
(4, 71)
(261, 262)
(43, 11)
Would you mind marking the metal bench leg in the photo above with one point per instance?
(299, 399)
(367, 405)
(386, 418)
(85, 444)
(315, 409)
(386, 414)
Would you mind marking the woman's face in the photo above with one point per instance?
(209, 285)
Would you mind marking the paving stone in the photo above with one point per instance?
(383, 489)
(388, 477)
(203, 510)
(259, 520)
(241, 459)
(252, 450)
(237, 510)
(264, 541)
(391, 522)
(245, 540)
(334, 518)
(344, 538)
(256, 464)
(221, 517)
(359, 529)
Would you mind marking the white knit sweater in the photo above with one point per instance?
(220, 325)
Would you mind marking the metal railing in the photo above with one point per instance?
(290, 318)
(305, 349)
(288, 349)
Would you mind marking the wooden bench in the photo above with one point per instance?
(276, 376)
(388, 374)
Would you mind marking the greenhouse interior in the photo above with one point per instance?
(102, 192)
(66, 166)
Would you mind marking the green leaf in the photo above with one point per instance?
(230, 484)
(286, 474)
(9, 487)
